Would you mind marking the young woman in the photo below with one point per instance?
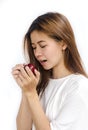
(55, 97)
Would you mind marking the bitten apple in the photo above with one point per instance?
(31, 66)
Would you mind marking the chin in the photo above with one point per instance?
(47, 68)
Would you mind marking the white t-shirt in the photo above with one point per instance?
(65, 103)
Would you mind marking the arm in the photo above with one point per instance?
(24, 121)
(40, 120)
(28, 83)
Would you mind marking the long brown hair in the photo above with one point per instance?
(56, 26)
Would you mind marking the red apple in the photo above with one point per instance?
(31, 66)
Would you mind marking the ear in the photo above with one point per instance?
(64, 45)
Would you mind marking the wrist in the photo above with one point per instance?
(31, 94)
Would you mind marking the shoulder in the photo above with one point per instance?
(80, 81)
(78, 78)
(76, 83)
(83, 88)
(83, 80)
(77, 87)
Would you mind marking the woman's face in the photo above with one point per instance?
(47, 51)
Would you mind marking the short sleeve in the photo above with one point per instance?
(72, 114)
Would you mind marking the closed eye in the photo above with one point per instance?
(43, 46)
(33, 48)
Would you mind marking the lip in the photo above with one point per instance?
(43, 62)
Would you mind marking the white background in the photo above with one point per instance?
(15, 18)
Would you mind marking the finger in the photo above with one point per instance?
(15, 72)
(19, 82)
(24, 73)
(17, 67)
(22, 78)
(37, 74)
(29, 72)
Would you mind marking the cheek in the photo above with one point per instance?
(48, 53)
(56, 56)
(34, 53)
(55, 52)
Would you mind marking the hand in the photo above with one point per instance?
(26, 79)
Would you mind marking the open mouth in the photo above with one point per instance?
(43, 61)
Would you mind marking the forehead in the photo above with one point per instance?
(37, 36)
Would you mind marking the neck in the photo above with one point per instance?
(60, 73)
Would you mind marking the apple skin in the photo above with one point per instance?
(31, 66)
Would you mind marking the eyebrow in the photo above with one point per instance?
(39, 41)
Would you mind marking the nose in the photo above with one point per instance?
(37, 52)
